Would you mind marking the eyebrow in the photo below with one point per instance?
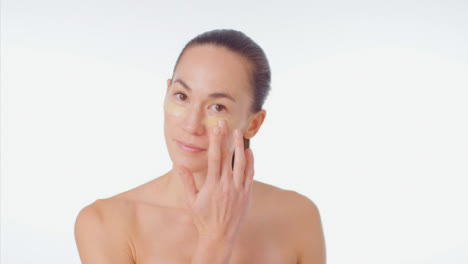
(213, 95)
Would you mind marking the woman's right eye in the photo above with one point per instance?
(182, 96)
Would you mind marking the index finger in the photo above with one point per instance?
(214, 156)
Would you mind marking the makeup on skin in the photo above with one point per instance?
(179, 111)
(209, 121)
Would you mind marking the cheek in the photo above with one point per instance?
(173, 109)
(211, 121)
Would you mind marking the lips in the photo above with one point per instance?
(191, 147)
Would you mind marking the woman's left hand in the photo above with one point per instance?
(218, 209)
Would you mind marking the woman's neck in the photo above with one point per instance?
(174, 187)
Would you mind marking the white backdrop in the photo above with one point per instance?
(367, 116)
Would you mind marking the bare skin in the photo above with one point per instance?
(153, 232)
(172, 219)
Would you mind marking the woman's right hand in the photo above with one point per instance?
(219, 208)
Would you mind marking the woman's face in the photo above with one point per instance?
(210, 83)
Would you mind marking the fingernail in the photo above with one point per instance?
(237, 132)
(221, 122)
(216, 131)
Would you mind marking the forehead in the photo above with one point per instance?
(209, 68)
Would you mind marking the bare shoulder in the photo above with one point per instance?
(102, 231)
(299, 217)
(108, 209)
(289, 199)
(308, 231)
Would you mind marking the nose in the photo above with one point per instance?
(193, 121)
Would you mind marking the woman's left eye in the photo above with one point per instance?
(219, 107)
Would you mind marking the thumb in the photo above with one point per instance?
(189, 182)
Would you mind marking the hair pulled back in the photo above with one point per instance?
(241, 44)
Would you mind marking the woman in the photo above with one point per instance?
(207, 208)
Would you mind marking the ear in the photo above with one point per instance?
(169, 81)
(254, 123)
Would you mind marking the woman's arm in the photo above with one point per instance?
(99, 238)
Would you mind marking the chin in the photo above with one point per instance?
(192, 161)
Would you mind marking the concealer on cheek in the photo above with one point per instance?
(173, 109)
(212, 121)
(180, 111)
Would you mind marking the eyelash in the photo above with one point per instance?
(224, 108)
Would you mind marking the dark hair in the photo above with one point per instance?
(241, 44)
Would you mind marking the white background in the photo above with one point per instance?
(367, 116)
